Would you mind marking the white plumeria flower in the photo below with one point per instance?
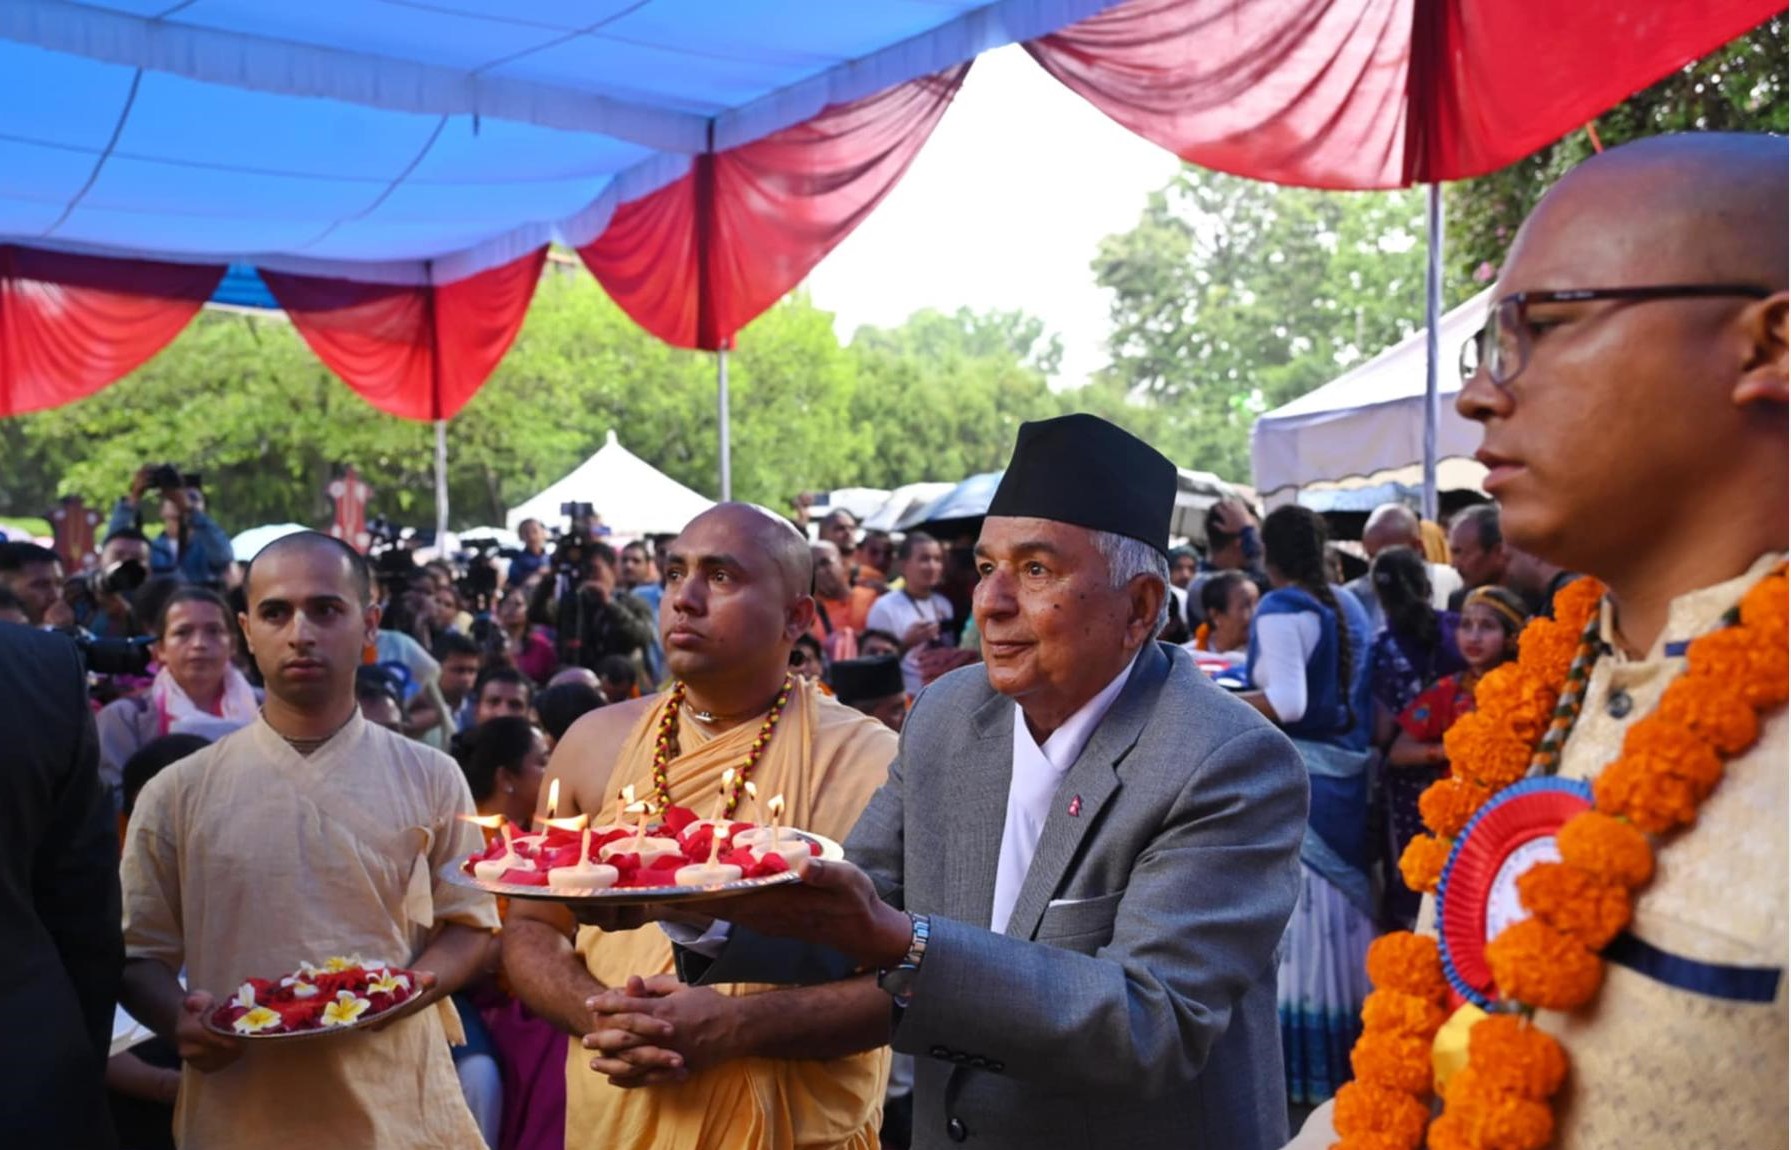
(346, 1010)
(303, 990)
(338, 963)
(256, 1020)
(388, 983)
(245, 995)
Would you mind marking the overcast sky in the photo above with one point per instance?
(1002, 209)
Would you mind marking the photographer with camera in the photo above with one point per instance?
(191, 545)
(101, 598)
(581, 600)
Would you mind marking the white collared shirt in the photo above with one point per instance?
(1038, 771)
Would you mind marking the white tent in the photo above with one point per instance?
(1370, 420)
(1195, 493)
(630, 496)
(901, 501)
(248, 544)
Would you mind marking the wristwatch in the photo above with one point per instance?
(898, 981)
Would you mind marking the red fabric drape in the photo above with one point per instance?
(70, 325)
(419, 352)
(696, 260)
(1376, 93)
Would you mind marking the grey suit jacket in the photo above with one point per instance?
(1131, 1000)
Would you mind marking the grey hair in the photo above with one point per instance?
(1128, 558)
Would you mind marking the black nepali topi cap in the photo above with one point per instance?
(862, 680)
(1083, 470)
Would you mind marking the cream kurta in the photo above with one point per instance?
(1654, 1067)
(826, 760)
(247, 859)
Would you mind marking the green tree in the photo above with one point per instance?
(1740, 87)
(941, 396)
(1232, 296)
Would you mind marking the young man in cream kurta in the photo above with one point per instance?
(1644, 443)
(308, 834)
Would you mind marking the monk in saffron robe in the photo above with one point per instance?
(737, 596)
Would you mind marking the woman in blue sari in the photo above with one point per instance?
(1309, 664)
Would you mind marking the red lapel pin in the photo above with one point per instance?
(1075, 806)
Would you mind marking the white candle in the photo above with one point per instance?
(721, 806)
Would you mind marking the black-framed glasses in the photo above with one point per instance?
(1502, 347)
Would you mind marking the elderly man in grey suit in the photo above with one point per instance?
(1067, 897)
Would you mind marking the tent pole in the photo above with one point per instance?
(441, 484)
(721, 400)
(1433, 313)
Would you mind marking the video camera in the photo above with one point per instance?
(478, 587)
(569, 549)
(167, 477)
(393, 564)
(111, 656)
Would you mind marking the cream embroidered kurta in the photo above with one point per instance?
(826, 759)
(249, 858)
(1654, 1067)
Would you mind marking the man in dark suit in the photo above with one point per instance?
(59, 901)
(1072, 885)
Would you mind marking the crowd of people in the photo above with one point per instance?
(1126, 823)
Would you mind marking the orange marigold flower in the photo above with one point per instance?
(1393, 1062)
(1664, 745)
(1576, 603)
(1545, 650)
(1449, 1133)
(1715, 710)
(1575, 903)
(1606, 847)
(1484, 751)
(1537, 965)
(1494, 1119)
(1396, 1012)
(1372, 1141)
(1364, 1109)
(1421, 865)
(1764, 608)
(1448, 804)
(1654, 800)
(1409, 963)
(1748, 659)
(1511, 1055)
(1518, 701)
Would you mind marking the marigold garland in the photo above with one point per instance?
(1421, 865)
(1581, 906)
(1393, 1062)
(1606, 848)
(1716, 712)
(1537, 965)
(1512, 1055)
(1671, 761)
(1448, 804)
(1409, 963)
(1396, 1116)
(1496, 1119)
(1546, 649)
(1396, 1012)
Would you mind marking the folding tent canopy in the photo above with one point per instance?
(631, 496)
(1369, 419)
(395, 171)
(904, 499)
